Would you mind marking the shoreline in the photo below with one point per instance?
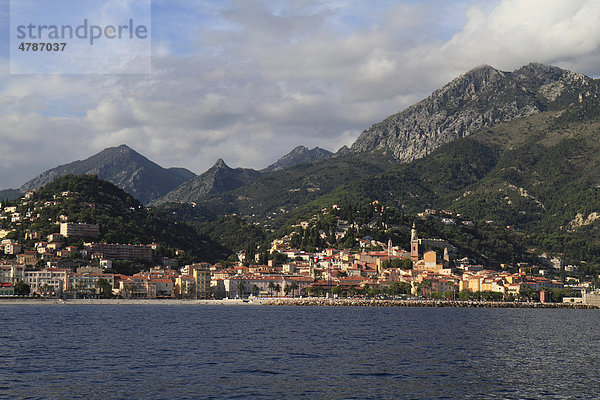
(302, 302)
(171, 302)
(322, 302)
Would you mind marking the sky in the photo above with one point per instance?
(248, 80)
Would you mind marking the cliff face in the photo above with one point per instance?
(481, 98)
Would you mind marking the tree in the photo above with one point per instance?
(464, 295)
(372, 291)
(293, 287)
(79, 287)
(342, 274)
(271, 286)
(336, 291)
(45, 290)
(255, 290)
(104, 288)
(191, 291)
(264, 258)
(250, 253)
(526, 293)
(129, 288)
(287, 290)
(240, 288)
(22, 289)
(397, 288)
(279, 258)
(424, 287)
(278, 288)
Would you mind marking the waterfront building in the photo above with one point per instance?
(11, 273)
(86, 281)
(7, 290)
(46, 282)
(185, 286)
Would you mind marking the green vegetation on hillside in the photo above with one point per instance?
(122, 219)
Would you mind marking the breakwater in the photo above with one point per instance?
(418, 303)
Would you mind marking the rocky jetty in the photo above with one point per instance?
(312, 301)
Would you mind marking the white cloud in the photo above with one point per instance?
(249, 81)
(519, 31)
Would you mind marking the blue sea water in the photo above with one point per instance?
(262, 352)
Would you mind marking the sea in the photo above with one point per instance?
(279, 352)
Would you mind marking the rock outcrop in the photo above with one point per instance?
(481, 98)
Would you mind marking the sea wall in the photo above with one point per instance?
(420, 303)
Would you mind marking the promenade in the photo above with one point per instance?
(170, 302)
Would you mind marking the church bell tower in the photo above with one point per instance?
(414, 245)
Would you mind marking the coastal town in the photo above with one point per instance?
(44, 267)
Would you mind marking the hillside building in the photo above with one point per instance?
(71, 229)
(117, 251)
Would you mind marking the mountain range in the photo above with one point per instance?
(149, 182)
(518, 149)
(474, 102)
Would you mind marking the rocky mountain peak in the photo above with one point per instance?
(124, 147)
(480, 98)
(217, 179)
(220, 164)
(342, 151)
(124, 167)
(299, 150)
(118, 151)
(299, 155)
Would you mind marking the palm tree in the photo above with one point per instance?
(271, 286)
(128, 288)
(293, 287)
(240, 287)
(336, 291)
(423, 285)
(79, 286)
(104, 288)
(45, 289)
(278, 288)
(191, 291)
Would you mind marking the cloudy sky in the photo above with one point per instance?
(248, 80)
